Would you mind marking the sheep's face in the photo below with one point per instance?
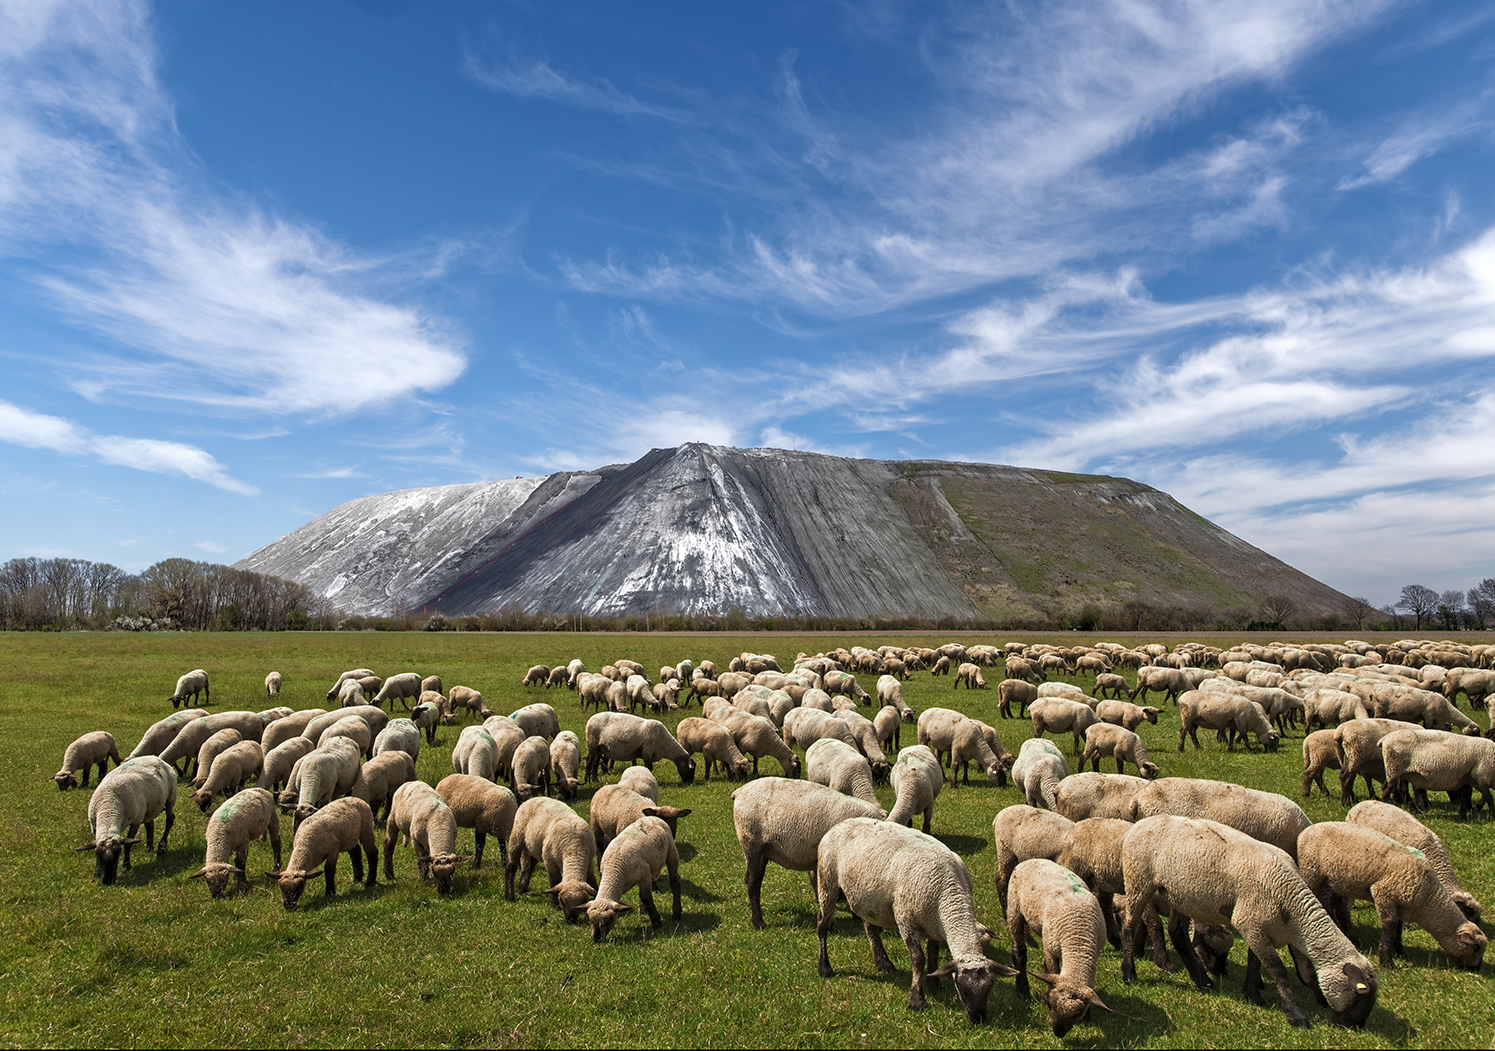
(203, 798)
(1468, 905)
(1269, 741)
(216, 876)
(301, 813)
(882, 770)
(997, 774)
(65, 779)
(794, 766)
(1149, 769)
(1151, 714)
(292, 883)
(1471, 946)
(1351, 991)
(572, 896)
(603, 914)
(973, 982)
(687, 768)
(443, 869)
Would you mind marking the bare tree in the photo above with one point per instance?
(1356, 609)
(1482, 600)
(1451, 609)
(1418, 600)
(1276, 610)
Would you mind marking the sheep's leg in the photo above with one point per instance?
(275, 841)
(1252, 988)
(675, 889)
(932, 963)
(646, 899)
(1019, 932)
(1347, 787)
(916, 986)
(1273, 964)
(1154, 926)
(511, 864)
(391, 834)
(331, 873)
(527, 872)
(928, 817)
(879, 953)
(357, 860)
(823, 923)
(477, 854)
(1178, 933)
(241, 861)
(1107, 902)
(757, 865)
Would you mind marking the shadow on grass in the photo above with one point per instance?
(964, 845)
(686, 851)
(640, 931)
(696, 892)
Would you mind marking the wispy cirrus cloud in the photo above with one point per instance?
(538, 79)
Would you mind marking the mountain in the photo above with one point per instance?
(703, 529)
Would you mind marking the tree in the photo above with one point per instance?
(1357, 609)
(1451, 609)
(1482, 600)
(1276, 610)
(1418, 600)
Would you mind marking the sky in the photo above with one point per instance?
(260, 259)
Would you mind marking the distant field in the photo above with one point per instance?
(154, 961)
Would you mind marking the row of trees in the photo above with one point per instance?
(57, 594)
(1419, 605)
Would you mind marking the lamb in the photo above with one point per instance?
(1022, 832)
(248, 816)
(1171, 681)
(536, 676)
(838, 765)
(431, 683)
(1357, 745)
(508, 735)
(1266, 816)
(940, 667)
(344, 825)
(889, 725)
(323, 774)
(404, 685)
(1111, 685)
(160, 734)
(400, 735)
(615, 807)
(1404, 828)
(380, 778)
(189, 686)
(971, 676)
(1039, 769)
(230, 772)
(558, 676)
(635, 859)
(468, 699)
(90, 750)
(476, 752)
(565, 763)
(1433, 760)
(897, 878)
(868, 742)
(482, 806)
(529, 769)
(1220, 711)
(1052, 902)
(426, 716)
(949, 733)
(756, 737)
(355, 729)
(1320, 753)
(287, 727)
(134, 793)
(1124, 713)
(614, 736)
(917, 778)
(889, 691)
(547, 830)
(537, 720)
(356, 673)
(715, 745)
(1058, 714)
(280, 760)
(272, 690)
(1097, 795)
(428, 824)
(1104, 739)
(1344, 862)
(1211, 873)
(804, 726)
(1015, 691)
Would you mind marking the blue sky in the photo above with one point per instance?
(260, 259)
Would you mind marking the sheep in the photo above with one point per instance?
(1171, 681)
(816, 700)
(547, 830)
(889, 725)
(1052, 902)
(1104, 739)
(248, 816)
(1212, 873)
(940, 667)
(1320, 753)
(1039, 769)
(1266, 816)
(355, 729)
(838, 765)
(508, 735)
(529, 769)
(272, 690)
(1091, 849)
(420, 814)
(431, 683)
(613, 736)
(950, 734)
(482, 806)
(565, 763)
(1324, 707)
(536, 676)
(1357, 746)
(634, 859)
(189, 740)
(1021, 832)
(400, 735)
(1433, 760)
(402, 686)
(1058, 714)
(323, 774)
(1124, 713)
(1097, 795)
(917, 778)
(230, 771)
(426, 716)
(1068, 691)
(287, 727)
(897, 878)
(971, 676)
(134, 793)
(355, 673)
(467, 699)
(1015, 691)
(804, 726)
(1432, 710)
(558, 676)
(1344, 862)
(889, 691)
(476, 752)
(1404, 828)
(756, 737)
(715, 745)
(376, 717)
(640, 779)
(537, 720)
(90, 750)
(381, 777)
(1222, 711)
(615, 807)
(864, 732)
(159, 736)
(189, 686)
(279, 761)
(344, 825)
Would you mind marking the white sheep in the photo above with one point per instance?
(615, 807)
(426, 716)
(714, 744)
(951, 735)
(90, 750)
(273, 683)
(380, 778)
(548, 831)
(1109, 740)
(1266, 816)
(344, 825)
(189, 686)
(189, 740)
(376, 717)
(210, 749)
(248, 816)
(1232, 712)
(917, 779)
(467, 699)
(896, 878)
(635, 859)
(1020, 833)
(476, 752)
(640, 779)
(1401, 826)
(323, 774)
(1124, 713)
(402, 686)
(508, 735)
(565, 763)
(889, 725)
(838, 765)
(864, 732)
(428, 824)
(1437, 761)
(353, 673)
(231, 771)
(805, 726)
(1038, 771)
(1052, 902)
(280, 760)
(614, 736)
(355, 728)
(529, 769)
(134, 793)
(1058, 714)
(536, 676)
(161, 733)
(1088, 795)
(400, 735)
(482, 806)
(286, 727)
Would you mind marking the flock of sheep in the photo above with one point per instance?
(1091, 858)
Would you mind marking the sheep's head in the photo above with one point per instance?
(603, 914)
(1469, 951)
(973, 982)
(1468, 905)
(1151, 714)
(997, 774)
(882, 770)
(106, 853)
(65, 779)
(293, 882)
(216, 875)
(794, 766)
(1350, 990)
(687, 768)
(571, 897)
(1150, 770)
(1068, 1001)
(203, 798)
(301, 812)
(443, 869)
(669, 814)
(1269, 740)
(740, 769)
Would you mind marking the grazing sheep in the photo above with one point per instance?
(376, 717)
(640, 779)
(1344, 862)
(889, 725)
(88, 751)
(508, 735)
(476, 752)
(1022, 832)
(614, 736)
(428, 824)
(897, 878)
(400, 735)
(615, 807)
(889, 691)
(529, 769)
(287, 727)
(426, 716)
(482, 806)
(404, 685)
(756, 737)
(864, 732)
(1266, 816)
(1124, 713)
(1320, 753)
(715, 745)
(1068, 691)
(1015, 691)
(355, 729)
(917, 778)
(1328, 708)
(1211, 873)
(1105, 739)
(817, 700)
(635, 859)
(950, 734)
(1039, 769)
(537, 720)
(1092, 851)
(804, 726)
(189, 686)
(536, 676)
(1111, 685)
(838, 765)
(431, 683)
(1401, 826)
(1224, 711)
(548, 831)
(1053, 903)
(1058, 714)
(467, 699)
(558, 676)
(272, 690)
(189, 740)
(134, 793)
(355, 673)
(1097, 795)
(344, 825)
(381, 777)
(970, 675)
(565, 763)
(1357, 744)
(280, 760)
(248, 816)
(1171, 681)
(230, 772)
(159, 736)
(322, 775)
(1436, 761)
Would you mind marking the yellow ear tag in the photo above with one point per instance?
(1360, 987)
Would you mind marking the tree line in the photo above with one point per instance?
(1452, 610)
(61, 594)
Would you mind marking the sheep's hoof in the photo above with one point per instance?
(916, 1002)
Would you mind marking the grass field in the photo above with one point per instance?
(154, 961)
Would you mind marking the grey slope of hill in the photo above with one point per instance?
(705, 529)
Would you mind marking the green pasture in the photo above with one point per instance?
(154, 961)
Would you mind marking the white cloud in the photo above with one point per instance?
(1418, 138)
(211, 546)
(36, 430)
(538, 79)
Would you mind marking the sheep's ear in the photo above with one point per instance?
(1001, 970)
(313, 875)
(200, 873)
(650, 811)
(944, 972)
(131, 842)
(86, 846)
(671, 811)
(1047, 979)
(1093, 999)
